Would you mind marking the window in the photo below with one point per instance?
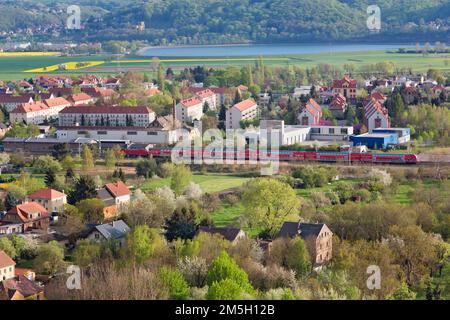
(344, 131)
(102, 132)
(152, 133)
(331, 131)
(132, 133)
(315, 130)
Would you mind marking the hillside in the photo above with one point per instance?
(231, 21)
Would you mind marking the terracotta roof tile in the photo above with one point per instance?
(46, 194)
(244, 105)
(5, 260)
(117, 189)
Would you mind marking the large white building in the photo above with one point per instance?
(106, 116)
(38, 112)
(189, 110)
(245, 110)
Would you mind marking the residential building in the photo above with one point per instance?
(410, 94)
(52, 200)
(209, 97)
(25, 217)
(346, 86)
(317, 237)
(301, 91)
(114, 230)
(82, 98)
(231, 234)
(7, 266)
(40, 111)
(11, 102)
(330, 133)
(338, 106)
(106, 116)
(310, 114)
(21, 288)
(375, 115)
(113, 83)
(245, 110)
(115, 196)
(189, 110)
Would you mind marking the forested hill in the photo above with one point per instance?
(226, 21)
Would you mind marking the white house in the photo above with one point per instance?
(375, 115)
(7, 267)
(189, 110)
(245, 110)
(310, 114)
(39, 111)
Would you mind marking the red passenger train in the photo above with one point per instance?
(286, 155)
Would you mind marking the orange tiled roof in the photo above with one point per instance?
(118, 189)
(47, 194)
(244, 105)
(5, 260)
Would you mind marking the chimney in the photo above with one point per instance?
(173, 113)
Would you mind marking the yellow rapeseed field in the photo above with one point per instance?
(67, 66)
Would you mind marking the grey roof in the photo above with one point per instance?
(229, 234)
(113, 230)
(292, 229)
(105, 196)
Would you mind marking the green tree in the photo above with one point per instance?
(226, 289)
(403, 293)
(224, 267)
(88, 159)
(86, 252)
(146, 168)
(84, 188)
(173, 280)
(268, 202)
(181, 177)
(50, 258)
(14, 196)
(297, 257)
(110, 159)
(141, 244)
(92, 210)
(7, 246)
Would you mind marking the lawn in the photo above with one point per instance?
(227, 215)
(208, 183)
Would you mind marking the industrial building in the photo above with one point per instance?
(375, 140)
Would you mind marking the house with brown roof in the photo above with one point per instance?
(52, 200)
(188, 110)
(318, 239)
(345, 86)
(338, 106)
(115, 195)
(25, 217)
(82, 98)
(21, 288)
(310, 114)
(7, 266)
(231, 234)
(244, 110)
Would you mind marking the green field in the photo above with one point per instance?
(15, 67)
(208, 183)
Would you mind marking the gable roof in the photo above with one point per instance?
(117, 189)
(374, 106)
(229, 234)
(313, 108)
(205, 93)
(187, 103)
(48, 194)
(338, 103)
(56, 102)
(9, 98)
(77, 97)
(292, 229)
(244, 105)
(30, 107)
(23, 210)
(5, 260)
(346, 79)
(113, 230)
(21, 284)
